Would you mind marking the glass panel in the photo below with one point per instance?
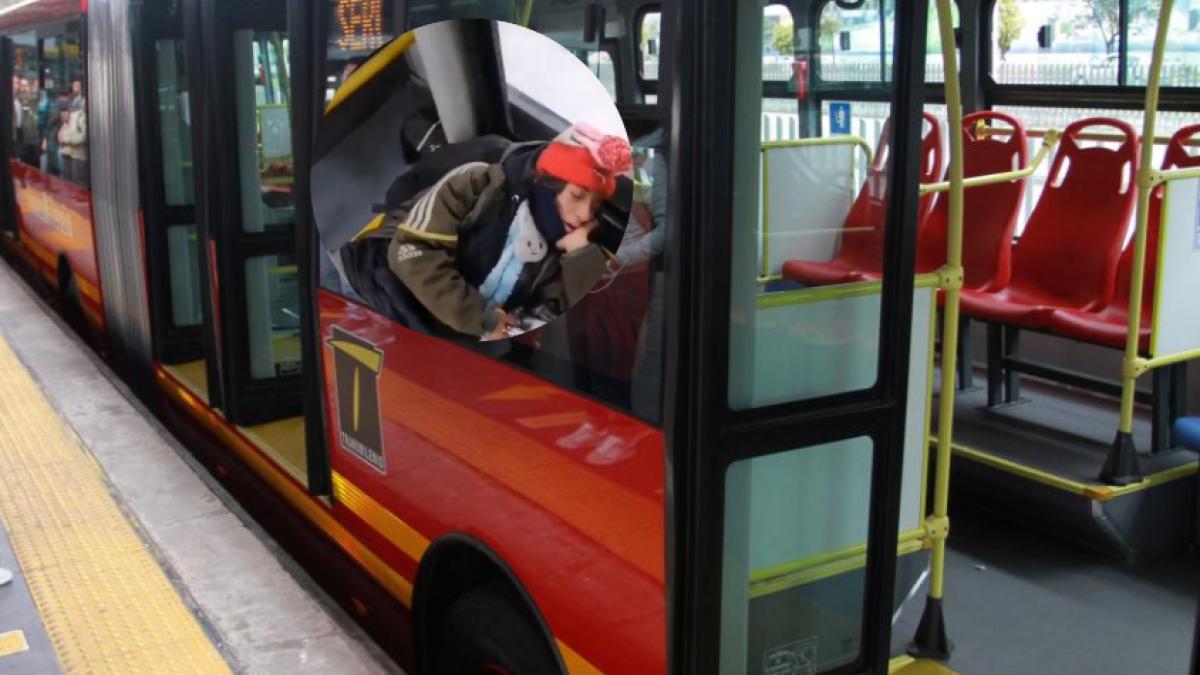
(53, 108)
(73, 134)
(1071, 42)
(809, 233)
(601, 65)
(359, 27)
(609, 346)
(649, 43)
(793, 574)
(1181, 60)
(273, 316)
(935, 68)
(779, 35)
(431, 11)
(264, 130)
(174, 119)
(855, 44)
(26, 88)
(558, 85)
(183, 251)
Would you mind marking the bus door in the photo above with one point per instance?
(799, 354)
(178, 307)
(242, 104)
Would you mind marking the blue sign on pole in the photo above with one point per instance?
(839, 118)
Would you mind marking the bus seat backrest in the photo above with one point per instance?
(1177, 157)
(1075, 234)
(989, 212)
(863, 238)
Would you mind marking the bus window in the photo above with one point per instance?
(601, 65)
(1074, 42)
(357, 28)
(609, 346)
(935, 68)
(26, 85)
(69, 68)
(855, 44)
(559, 85)
(273, 317)
(178, 186)
(174, 122)
(649, 42)
(1181, 61)
(432, 11)
(265, 130)
(263, 95)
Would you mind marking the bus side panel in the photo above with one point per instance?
(56, 218)
(439, 439)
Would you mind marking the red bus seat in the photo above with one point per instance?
(1108, 326)
(861, 252)
(1067, 256)
(989, 212)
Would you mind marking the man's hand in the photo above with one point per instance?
(503, 323)
(577, 238)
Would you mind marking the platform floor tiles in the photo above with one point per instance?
(129, 557)
(106, 603)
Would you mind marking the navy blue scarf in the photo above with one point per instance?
(545, 214)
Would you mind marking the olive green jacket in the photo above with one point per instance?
(423, 250)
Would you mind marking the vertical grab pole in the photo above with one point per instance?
(1121, 466)
(930, 640)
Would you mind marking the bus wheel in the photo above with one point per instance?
(71, 303)
(487, 632)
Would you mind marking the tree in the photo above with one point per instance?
(782, 37)
(830, 27)
(1105, 15)
(1011, 25)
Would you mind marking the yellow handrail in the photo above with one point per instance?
(1086, 136)
(1043, 152)
(1158, 177)
(846, 139)
(938, 523)
(1123, 449)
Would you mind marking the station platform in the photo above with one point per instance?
(126, 557)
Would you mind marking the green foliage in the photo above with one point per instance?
(782, 38)
(1011, 25)
(1105, 15)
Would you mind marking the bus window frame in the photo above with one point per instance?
(1120, 96)
(170, 343)
(704, 435)
(645, 86)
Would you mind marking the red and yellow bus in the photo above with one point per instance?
(707, 466)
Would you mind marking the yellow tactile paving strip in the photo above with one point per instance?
(107, 605)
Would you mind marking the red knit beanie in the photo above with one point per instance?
(585, 157)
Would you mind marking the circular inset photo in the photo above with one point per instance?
(471, 179)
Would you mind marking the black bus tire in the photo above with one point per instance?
(487, 631)
(72, 303)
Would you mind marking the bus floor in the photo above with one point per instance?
(1018, 601)
(127, 556)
